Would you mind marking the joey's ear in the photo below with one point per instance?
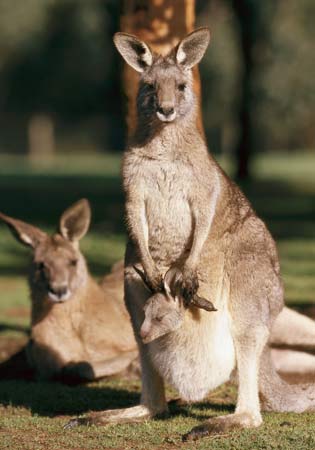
(75, 221)
(192, 48)
(24, 232)
(134, 51)
(171, 282)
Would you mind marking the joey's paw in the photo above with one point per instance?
(189, 284)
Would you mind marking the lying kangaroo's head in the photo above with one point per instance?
(58, 268)
(165, 89)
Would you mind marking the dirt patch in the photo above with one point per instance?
(21, 311)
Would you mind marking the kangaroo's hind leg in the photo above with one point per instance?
(250, 306)
(153, 400)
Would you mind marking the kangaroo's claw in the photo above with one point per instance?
(76, 423)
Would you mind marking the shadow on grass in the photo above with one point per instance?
(177, 409)
(40, 199)
(52, 399)
(14, 327)
(287, 209)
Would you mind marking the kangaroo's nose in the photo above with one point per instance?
(58, 291)
(144, 333)
(166, 111)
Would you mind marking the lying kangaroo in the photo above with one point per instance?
(182, 210)
(42, 356)
(74, 320)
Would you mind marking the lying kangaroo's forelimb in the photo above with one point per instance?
(17, 366)
(79, 372)
(297, 364)
(294, 331)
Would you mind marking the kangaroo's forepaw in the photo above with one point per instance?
(223, 424)
(189, 284)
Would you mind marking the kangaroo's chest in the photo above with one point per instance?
(196, 359)
(166, 188)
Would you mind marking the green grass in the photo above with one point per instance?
(32, 414)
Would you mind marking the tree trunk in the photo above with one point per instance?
(252, 33)
(161, 24)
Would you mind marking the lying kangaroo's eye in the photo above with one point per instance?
(181, 87)
(40, 265)
(73, 262)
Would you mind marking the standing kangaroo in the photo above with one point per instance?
(74, 320)
(183, 211)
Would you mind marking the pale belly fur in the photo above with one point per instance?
(198, 357)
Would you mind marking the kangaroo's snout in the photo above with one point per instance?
(58, 293)
(144, 333)
(166, 113)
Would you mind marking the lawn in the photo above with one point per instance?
(32, 414)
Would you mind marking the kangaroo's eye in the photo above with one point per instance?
(150, 86)
(159, 318)
(40, 265)
(181, 87)
(73, 262)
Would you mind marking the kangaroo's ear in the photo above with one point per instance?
(75, 221)
(192, 48)
(134, 51)
(25, 233)
(171, 282)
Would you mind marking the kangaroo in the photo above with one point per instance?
(74, 320)
(183, 211)
(165, 312)
(291, 330)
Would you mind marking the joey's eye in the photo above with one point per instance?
(159, 318)
(73, 262)
(181, 87)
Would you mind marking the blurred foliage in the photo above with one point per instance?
(57, 58)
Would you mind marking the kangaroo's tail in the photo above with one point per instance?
(277, 395)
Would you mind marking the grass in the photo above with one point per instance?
(32, 414)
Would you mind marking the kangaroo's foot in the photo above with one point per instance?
(223, 424)
(125, 415)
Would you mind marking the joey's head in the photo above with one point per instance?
(58, 268)
(166, 82)
(163, 311)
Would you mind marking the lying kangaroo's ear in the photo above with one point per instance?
(75, 221)
(171, 282)
(192, 48)
(25, 233)
(134, 51)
